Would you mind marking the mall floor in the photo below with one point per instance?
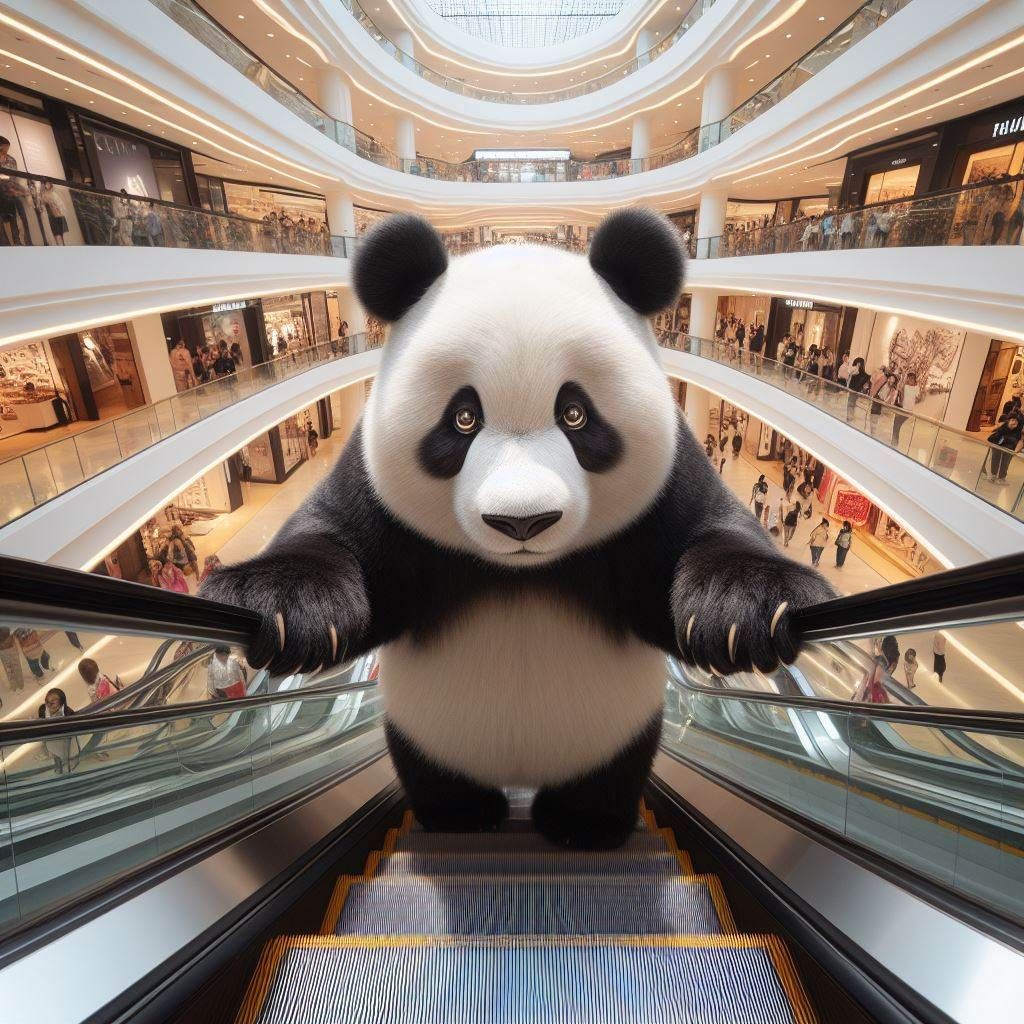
(982, 666)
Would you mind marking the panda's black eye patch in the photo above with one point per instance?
(443, 451)
(595, 441)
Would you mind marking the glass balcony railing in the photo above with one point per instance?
(38, 476)
(195, 21)
(858, 26)
(522, 97)
(47, 211)
(987, 213)
(994, 474)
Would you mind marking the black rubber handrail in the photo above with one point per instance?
(37, 593)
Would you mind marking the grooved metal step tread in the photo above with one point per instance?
(709, 979)
(615, 862)
(495, 842)
(531, 905)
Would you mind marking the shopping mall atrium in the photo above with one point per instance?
(512, 511)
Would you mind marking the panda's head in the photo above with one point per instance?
(520, 412)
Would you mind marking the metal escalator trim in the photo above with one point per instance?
(777, 952)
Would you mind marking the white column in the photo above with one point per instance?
(641, 137)
(350, 310)
(152, 357)
(710, 216)
(335, 94)
(405, 137)
(402, 38)
(703, 312)
(341, 218)
(718, 100)
(697, 409)
(644, 41)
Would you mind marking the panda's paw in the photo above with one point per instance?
(581, 827)
(312, 605)
(732, 608)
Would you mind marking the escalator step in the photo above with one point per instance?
(615, 862)
(495, 842)
(538, 905)
(723, 979)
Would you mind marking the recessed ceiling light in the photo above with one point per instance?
(241, 17)
(92, 102)
(270, 35)
(789, 35)
(821, 17)
(749, 79)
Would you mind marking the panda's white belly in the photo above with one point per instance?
(530, 691)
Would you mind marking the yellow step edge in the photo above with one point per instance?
(336, 904)
(275, 950)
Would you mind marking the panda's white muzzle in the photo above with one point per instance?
(521, 498)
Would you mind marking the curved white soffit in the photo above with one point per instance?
(54, 289)
(80, 526)
(978, 287)
(683, 66)
(955, 525)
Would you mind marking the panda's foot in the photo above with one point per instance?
(565, 823)
(443, 800)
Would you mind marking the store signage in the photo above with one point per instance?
(898, 162)
(226, 307)
(1010, 126)
(800, 303)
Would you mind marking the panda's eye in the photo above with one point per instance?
(574, 416)
(465, 420)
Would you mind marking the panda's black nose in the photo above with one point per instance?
(522, 527)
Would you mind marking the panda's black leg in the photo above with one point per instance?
(598, 811)
(443, 800)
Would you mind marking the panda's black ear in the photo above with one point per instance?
(639, 253)
(395, 263)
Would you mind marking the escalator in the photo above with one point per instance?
(797, 858)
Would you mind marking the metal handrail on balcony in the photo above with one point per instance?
(38, 476)
(992, 473)
(49, 211)
(982, 213)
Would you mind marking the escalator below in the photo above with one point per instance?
(503, 927)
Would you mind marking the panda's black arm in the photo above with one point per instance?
(705, 580)
(317, 586)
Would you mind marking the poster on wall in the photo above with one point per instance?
(850, 504)
(931, 351)
(125, 162)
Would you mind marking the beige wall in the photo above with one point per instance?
(150, 346)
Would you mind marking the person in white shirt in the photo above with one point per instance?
(225, 676)
(906, 398)
(846, 232)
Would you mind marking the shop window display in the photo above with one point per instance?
(291, 221)
(287, 325)
(895, 183)
(27, 390)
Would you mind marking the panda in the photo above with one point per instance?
(524, 526)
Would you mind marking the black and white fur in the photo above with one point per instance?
(536, 662)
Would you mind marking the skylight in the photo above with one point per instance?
(527, 23)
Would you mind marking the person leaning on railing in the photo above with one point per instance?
(1007, 436)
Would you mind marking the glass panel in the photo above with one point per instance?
(16, 494)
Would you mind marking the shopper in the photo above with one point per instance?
(844, 371)
(12, 192)
(181, 366)
(710, 447)
(1007, 439)
(910, 667)
(846, 230)
(860, 381)
(54, 212)
(60, 748)
(817, 541)
(312, 438)
(225, 676)
(36, 654)
(789, 513)
(756, 347)
(10, 658)
(844, 540)
(100, 686)
(224, 365)
(759, 496)
(939, 654)
(168, 576)
(906, 397)
(182, 552)
(788, 356)
(210, 565)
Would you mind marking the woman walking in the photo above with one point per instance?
(844, 539)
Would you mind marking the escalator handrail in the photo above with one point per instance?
(37, 730)
(33, 591)
(1001, 722)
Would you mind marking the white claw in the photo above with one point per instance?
(334, 643)
(732, 642)
(689, 628)
(779, 612)
(280, 631)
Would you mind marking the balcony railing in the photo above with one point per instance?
(47, 211)
(523, 97)
(986, 213)
(858, 26)
(868, 17)
(993, 474)
(40, 475)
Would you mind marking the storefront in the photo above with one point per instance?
(1002, 379)
(985, 147)
(125, 161)
(809, 322)
(275, 455)
(296, 320)
(900, 168)
(238, 322)
(89, 375)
